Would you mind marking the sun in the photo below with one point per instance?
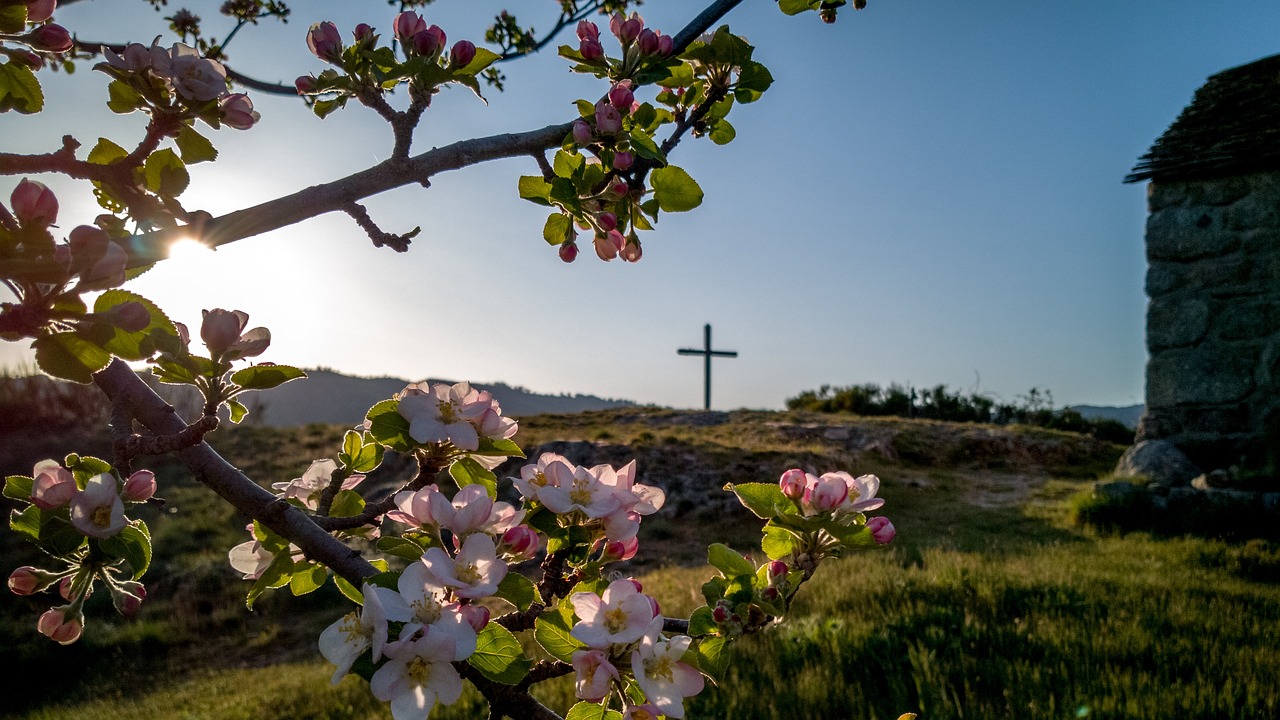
(187, 249)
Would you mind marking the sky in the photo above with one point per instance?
(931, 193)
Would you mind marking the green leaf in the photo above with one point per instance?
(702, 622)
(68, 356)
(357, 455)
(348, 590)
(483, 59)
(13, 17)
(498, 655)
(322, 108)
(85, 467)
(557, 228)
(401, 548)
(165, 173)
(713, 656)
(592, 711)
(728, 561)
(764, 499)
(238, 411)
(133, 545)
(466, 471)
(795, 7)
(18, 487)
(346, 504)
(50, 529)
(675, 190)
(753, 80)
(389, 427)
(194, 147)
(19, 88)
(534, 189)
(678, 76)
(501, 447)
(852, 536)
(123, 98)
(517, 590)
(277, 574)
(307, 578)
(172, 373)
(713, 589)
(565, 164)
(777, 543)
(138, 345)
(106, 152)
(645, 147)
(551, 630)
(722, 133)
(265, 376)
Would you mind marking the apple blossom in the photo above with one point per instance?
(53, 485)
(882, 531)
(825, 493)
(97, 510)
(620, 615)
(862, 492)
(62, 624)
(250, 559)
(470, 508)
(588, 30)
(608, 120)
(237, 111)
(140, 486)
(568, 252)
(591, 50)
(107, 270)
(325, 42)
(463, 52)
(135, 57)
(422, 601)
(127, 597)
(311, 485)
(443, 413)
(581, 132)
(620, 550)
(623, 160)
(584, 493)
(792, 483)
(425, 507)
(27, 580)
(550, 470)
(626, 29)
(418, 674)
(51, 38)
(474, 573)
(429, 42)
(665, 680)
(343, 642)
(223, 333)
(595, 674)
(632, 252)
(621, 97)
(194, 77)
(609, 245)
(40, 10)
(519, 543)
(363, 31)
(477, 616)
(305, 85)
(647, 711)
(34, 204)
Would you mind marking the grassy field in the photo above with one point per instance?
(990, 605)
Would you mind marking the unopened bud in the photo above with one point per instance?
(463, 52)
(40, 10)
(325, 42)
(621, 97)
(620, 550)
(51, 37)
(608, 120)
(792, 483)
(27, 580)
(407, 24)
(882, 531)
(128, 597)
(477, 616)
(581, 132)
(568, 251)
(607, 221)
(140, 486)
(520, 541)
(631, 252)
(34, 204)
(623, 160)
(363, 31)
(588, 30)
(648, 42)
(60, 625)
(770, 593)
(591, 50)
(305, 84)
(130, 316)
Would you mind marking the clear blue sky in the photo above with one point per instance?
(931, 193)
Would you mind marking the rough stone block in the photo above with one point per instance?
(1176, 322)
(1224, 420)
(1165, 194)
(1200, 376)
(1244, 319)
(1225, 191)
(1158, 460)
(1188, 233)
(1258, 210)
(1227, 271)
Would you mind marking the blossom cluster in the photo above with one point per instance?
(88, 253)
(458, 415)
(600, 498)
(180, 73)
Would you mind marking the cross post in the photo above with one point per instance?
(707, 353)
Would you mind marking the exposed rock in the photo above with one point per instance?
(1160, 461)
(1209, 481)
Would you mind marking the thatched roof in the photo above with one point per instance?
(1231, 127)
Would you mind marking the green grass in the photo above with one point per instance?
(992, 604)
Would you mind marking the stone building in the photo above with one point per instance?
(1213, 278)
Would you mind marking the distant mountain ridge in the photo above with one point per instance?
(1127, 415)
(326, 396)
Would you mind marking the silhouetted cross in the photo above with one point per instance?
(707, 354)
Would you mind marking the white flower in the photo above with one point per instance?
(551, 470)
(475, 573)
(584, 493)
(442, 414)
(426, 607)
(620, 615)
(344, 641)
(417, 675)
(313, 482)
(97, 510)
(665, 680)
(250, 559)
(594, 674)
(193, 77)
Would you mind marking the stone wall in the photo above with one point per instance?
(1213, 323)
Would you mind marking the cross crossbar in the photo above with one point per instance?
(707, 354)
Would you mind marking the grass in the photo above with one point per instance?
(991, 605)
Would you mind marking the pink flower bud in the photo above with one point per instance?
(34, 204)
(140, 486)
(591, 50)
(777, 572)
(569, 252)
(61, 626)
(627, 30)
(648, 42)
(107, 272)
(477, 616)
(607, 221)
(325, 42)
(588, 30)
(719, 613)
(792, 483)
(129, 316)
(666, 45)
(51, 37)
(40, 10)
(407, 24)
(363, 31)
(770, 593)
(520, 541)
(65, 586)
(34, 61)
(463, 52)
(221, 328)
(623, 160)
(237, 111)
(615, 24)
(621, 97)
(827, 494)
(128, 597)
(882, 531)
(25, 580)
(609, 245)
(608, 120)
(653, 603)
(636, 583)
(53, 485)
(305, 84)
(425, 43)
(620, 550)
(631, 252)
(581, 132)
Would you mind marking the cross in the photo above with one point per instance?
(707, 354)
